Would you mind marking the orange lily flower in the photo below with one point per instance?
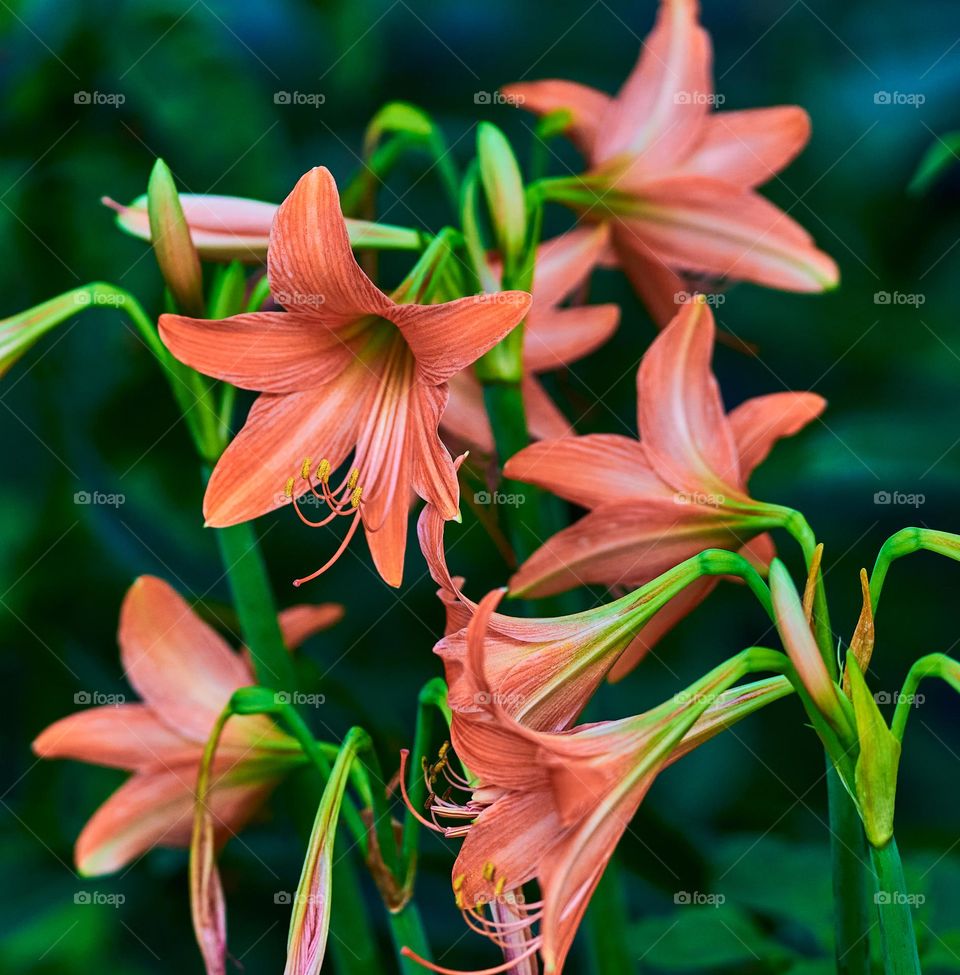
(680, 489)
(185, 673)
(552, 807)
(553, 337)
(677, 180)
(344, 368)
(542, 671)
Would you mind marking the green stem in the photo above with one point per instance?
(894, 912)
(407, 929)
(256, 610)
(606, 922)
(906, 542)
(852, 920)
(931, 665)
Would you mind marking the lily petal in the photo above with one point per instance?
(249, 478)
(449, 337)
(555, 338)
(272, 352)
(586, 106)
(156, 809)
(715, 228)
(564, 263)
(657, 284)
(746, 148)
(128, 736)
(544, 418)
(589, 470)
(683, 425)
(760, 422)
(299, 623)
(661, 107)
(310, 263)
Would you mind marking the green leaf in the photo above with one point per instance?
(941, 155)
(876, 768)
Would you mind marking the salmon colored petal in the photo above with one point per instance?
(760, 422)
(299, 623)
(465, 417)
(280, 431)
(513, 834)
(544, 418)
(564, 263)
(747, 148)
(683, 425)
(589, 470)
(310, 264)
(658, 285)
(434, 477)
(586, 106)
(273, 352)
(449, 337)
(661, 107)
(156, 809)
(714, 228)
(625, 543)
(661, 623)
(554, 338)
(178, 664)
(127, 736)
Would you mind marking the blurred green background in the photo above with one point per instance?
(745, 817)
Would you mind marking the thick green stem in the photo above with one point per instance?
(407, 929)
(894, 909)
(852, 918)
(255, 606)
(606, 922)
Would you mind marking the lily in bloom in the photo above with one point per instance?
(681, 488)
(676, 179)
(234, 228)
(343, 369)
(185, 673)
(542, 671)
(552, 807)
(553, 337)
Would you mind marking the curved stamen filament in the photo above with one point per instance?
(505, 967)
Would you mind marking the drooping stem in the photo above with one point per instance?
(255, 606)
(894, 906)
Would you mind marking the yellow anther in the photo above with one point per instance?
(354, 477)
(480, 901)
(323, 471)
(458, 881)
(288, 488)
(488, 871)
(498, 889)
(305, 468)
(355, 497)
(458, 900)
(444, 748)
